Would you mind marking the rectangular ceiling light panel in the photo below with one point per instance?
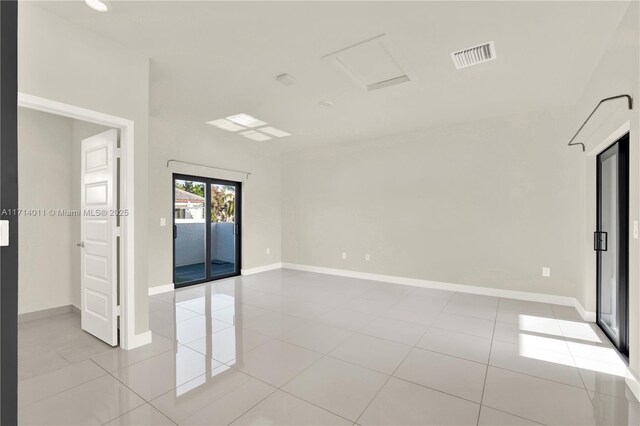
(474, 55)
(371, 63)
(274, 132)
(246, 120)
(235, 123)
(256, 136)
(227, 125)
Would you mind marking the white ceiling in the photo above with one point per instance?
(214, 59)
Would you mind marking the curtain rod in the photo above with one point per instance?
(210, 167)
(629, 104)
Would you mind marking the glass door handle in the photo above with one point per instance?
(600, 241)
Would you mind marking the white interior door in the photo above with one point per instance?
(99, 236)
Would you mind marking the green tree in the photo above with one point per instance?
(223, 204)
(188, 186)
(223, 199)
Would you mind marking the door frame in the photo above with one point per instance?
(623, 245)
(128, 337)
(238, 214)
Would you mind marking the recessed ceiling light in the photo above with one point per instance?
(97, 5)
(274, 132)
(256, 136)
(226, 125)
(246, 120)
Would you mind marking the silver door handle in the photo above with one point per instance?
(80, 244)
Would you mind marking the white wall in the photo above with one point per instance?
(59, 61)
(46, 243)
(617, 73)
(486, 204)
(200, 143)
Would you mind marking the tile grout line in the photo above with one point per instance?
(254, 405)
(67, 389)
(486, 371)
(229, 367)
(584, 385)
(399, 365)
(281, 388)
(525, 374)
(127, 387)
(511, 414)
(382, 387)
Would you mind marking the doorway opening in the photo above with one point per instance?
(206, 229)
(122, 316)
(611, 243)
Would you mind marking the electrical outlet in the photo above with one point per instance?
(367, 257)
(344, 255)
(163, 221)
(546, 271)
(268, 251)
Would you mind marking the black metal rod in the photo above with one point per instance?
(629, 103)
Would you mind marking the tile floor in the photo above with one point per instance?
(290, 347)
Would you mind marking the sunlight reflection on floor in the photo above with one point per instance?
(592, 355)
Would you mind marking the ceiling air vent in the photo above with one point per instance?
(474, 55)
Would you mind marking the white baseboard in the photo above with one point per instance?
(138, 340)
(633, 384)
(45, 313)
(259, 269)
(586, 315)
(485, 291)
(160, 289)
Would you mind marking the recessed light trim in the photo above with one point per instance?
(246, 120)
(227, 125)
(256, 136)
(274, 132)
(97, 5)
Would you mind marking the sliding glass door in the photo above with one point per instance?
(206, 229)
(611, 243)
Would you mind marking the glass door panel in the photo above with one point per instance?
(189, 231)
(224, 228)
(611, 242)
